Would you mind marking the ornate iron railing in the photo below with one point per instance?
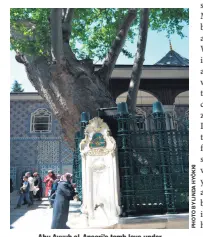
(153, 157)
(77, 162)
(153, 164)
(77, 166)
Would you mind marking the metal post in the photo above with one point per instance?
(77, 165)
(125, 159)
(162, 146)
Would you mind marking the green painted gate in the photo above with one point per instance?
(153, 156)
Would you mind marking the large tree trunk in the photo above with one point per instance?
(69, 92)
(68, 85)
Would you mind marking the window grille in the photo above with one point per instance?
(41, 121)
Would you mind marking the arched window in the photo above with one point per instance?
(41, 121)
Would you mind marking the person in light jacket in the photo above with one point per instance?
(65, 192)
(31, 182)
(24, 193)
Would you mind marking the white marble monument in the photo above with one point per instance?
(100, 177)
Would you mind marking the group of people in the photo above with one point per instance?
(31, 187)
(59, 190)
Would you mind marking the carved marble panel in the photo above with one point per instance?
(99, 173)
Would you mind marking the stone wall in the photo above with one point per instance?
(35, 151)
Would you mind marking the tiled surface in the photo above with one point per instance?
(30, 151)
(48, 152)
(23, 152)
(66, 154)
(34, 151)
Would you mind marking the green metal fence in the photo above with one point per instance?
(153, 156)
(77, 162)
(154, 164)
(77, 165)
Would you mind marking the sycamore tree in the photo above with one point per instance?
(16, 87)
(59, 48)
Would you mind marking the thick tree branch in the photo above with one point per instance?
(117, 45)
(20, 58)
(57, 35)
(68, 14)
(67, 23)
(64, 12)
(139, 59)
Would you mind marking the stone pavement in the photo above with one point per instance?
(40, 214)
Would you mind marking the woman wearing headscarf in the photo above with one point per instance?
(53, 190)
(65, 192)
(55, 184)
(49, 180)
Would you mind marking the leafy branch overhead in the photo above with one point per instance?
(93, 30)
(58, 46)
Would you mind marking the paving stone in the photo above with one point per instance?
(41, 215)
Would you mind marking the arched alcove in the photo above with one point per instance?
(143, 98)
(182, 98)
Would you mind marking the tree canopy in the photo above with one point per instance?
(58, 46)
(93, 29)
(17, 87)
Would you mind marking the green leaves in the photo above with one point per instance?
(17, 87)
(171, 20)
(30, 30)
(93, 29)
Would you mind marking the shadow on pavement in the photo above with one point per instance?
(15, 214)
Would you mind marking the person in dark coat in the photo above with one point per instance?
(38, 184)
(11, 185)
(55, 184)
(65, 192)
(53, 191)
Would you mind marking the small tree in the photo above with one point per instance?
(17, 87)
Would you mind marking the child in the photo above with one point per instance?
(24, 193)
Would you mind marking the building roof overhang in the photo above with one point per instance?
(166, 72)
(152, 72)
